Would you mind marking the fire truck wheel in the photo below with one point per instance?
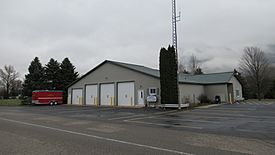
(51, 103)
(55, 103)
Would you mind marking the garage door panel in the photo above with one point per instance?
(107, 94)
(126, 94)
(77, 96)
(91, 95)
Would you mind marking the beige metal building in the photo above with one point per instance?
(121, 84)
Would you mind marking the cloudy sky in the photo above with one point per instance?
(91, 31)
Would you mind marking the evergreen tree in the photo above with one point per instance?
(185, 71)
(53, 75)
(35, 78)
(164, 70)
(68, 75)
(168, 76)
(198, 71)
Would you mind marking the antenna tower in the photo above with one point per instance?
(175, 19)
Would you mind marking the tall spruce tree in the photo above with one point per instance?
(34, 80)
(168, 76)
(68, 75)
(53, 75)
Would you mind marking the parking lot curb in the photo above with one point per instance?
(125, 107)
(208, 106)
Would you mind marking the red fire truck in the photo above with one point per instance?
(51, 97)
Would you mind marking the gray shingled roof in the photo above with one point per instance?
(212, 78)
(139, 68)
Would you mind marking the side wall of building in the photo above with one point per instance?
(217, 90)
(190, 93)
(237, 88)
(110, 73)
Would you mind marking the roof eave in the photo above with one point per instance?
(134, 69)
(86, 74)
(114, 63)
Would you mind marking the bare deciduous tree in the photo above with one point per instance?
(2, 92)
(193, 64)
(16, 87)
(8, 75)
(255, 66)
(181, 66)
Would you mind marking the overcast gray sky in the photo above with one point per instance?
(90, 31)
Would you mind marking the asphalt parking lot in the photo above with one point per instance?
(246, 128)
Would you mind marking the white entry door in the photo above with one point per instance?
(91, 95)
(126, 94)
(107, 94)
(141, 97)
(77, 96)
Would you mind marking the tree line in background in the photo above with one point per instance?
(9, 82)
(256, 74)
(53, 76)
(192, 67)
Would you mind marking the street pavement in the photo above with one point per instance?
(223, 129)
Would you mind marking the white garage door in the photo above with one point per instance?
(91, 95)
(77, 96)
(107, 94)
(126, 94)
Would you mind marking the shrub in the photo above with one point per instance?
(26, 100)
(204, 99)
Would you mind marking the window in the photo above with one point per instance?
(152, 91)
(238, 93)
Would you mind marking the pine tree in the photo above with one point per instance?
(68, 75)
(53, 75)
(198, 71)
(35, 78)
(168, 76)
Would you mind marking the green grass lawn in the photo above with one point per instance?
(10, 102)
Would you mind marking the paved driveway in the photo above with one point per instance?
(224, 129)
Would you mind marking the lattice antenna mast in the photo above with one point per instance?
(175, 19)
